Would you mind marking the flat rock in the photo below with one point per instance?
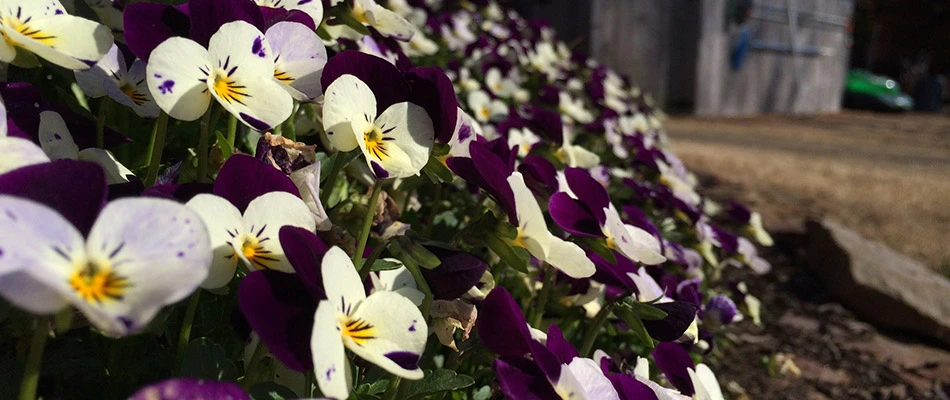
(882, 286)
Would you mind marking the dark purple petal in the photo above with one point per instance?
(561, 348)
(404, 359)
(614, 275)
(546, 123)
(573, 216)
(207, 16)
(507, 153)
(133, 188)
(386, 82)
(458, 273)
(487, 171)
(680, 315)
(190, 389)
(521, 379)
(728, 242)
(738, 212)
(273, 15)
(149, 24)
(673, 360)
(243, 178)
(502, 326)
(280, 309)
(546, 360)
(539, 174)
(76, 189)
(305, 251)
(589, 191)
(629, 388)
(181, 193)
(689, 290)
(432, 90)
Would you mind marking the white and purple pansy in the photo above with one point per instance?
(313, 8)
(237, 69)
(140, 255)
(43, 28)
(384, 328)
(299, 57)
(113, 77)
(396, 143)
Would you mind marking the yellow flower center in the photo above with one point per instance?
(375, 142)
(226, 88)
(358, 330)
(255, 253)
(97, 282)
(282, 76)
(22, 27)
(485, 113)
(359, 13)
(129, 90)
(519, 239)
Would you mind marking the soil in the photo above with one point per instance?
(885, 176)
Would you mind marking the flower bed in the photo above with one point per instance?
(254, 199)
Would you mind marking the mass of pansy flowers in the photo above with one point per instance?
(346, 199)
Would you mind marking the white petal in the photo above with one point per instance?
(569, 258)
(391, 24)
(132, 91)
(634, 243)
(647, 287)
(7, 51)
(36, 239)
(65, 40)
(349, 106)
(175, 78)
(115, 171)
(28, 293)
(761, 235)
(264, 217)
(346, 290)
(160, 246)
(398, 333)
(404, 137)
(35, 8)
(18, 152)
(3, 118)
(530, 219)
(583, 379)
(330, 366)
(313, 8)
(705, 383)
(307, 180)
(399, 280)
(91, 80)
(301, 57)
(224, 223)
(55, 138)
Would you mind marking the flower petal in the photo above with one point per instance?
(405, 141)
(521, 379)
(91, 80)
(705, 383)
(300, 58)
(264, 218)
(190, 389)
(330, 365)
(305, 252)
(116, 173)
(341, 282)
(573, 216)
(223, 223)
(146, 25)
(391, 24)
(159, 247)
(62, 39)
(569, 258)
(349, 106)
(55, 138)
(583, 378)
(502, 326)
(458, 273)
(175, 78)
(209, 16)
(384, 79)
(18, 152)
(75, 189)
(132, 91)
(35, 238)
(244, 178)
(278, 307)
(399, 334)
(673, 360)
(26, 292)
(242, 80)
(433, 90)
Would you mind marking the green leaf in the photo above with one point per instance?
(435, 169)
(646, 311)
(226, 149)
(271, 391)
(636, 326)
(414, 250)
(599, 246)
(384, 265)
(377, 387)
(206, 360)
(440, 149)
(447, 218)
(440, 380)
(516, 257)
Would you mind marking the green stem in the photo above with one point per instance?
(421, 284)
(31, 373)
(156, 146)
(367, 223)
(250, 376)
(594, 329)
(101, 123)
(327, 188)
(232, 130)
(184, 335)
(393, 388)
(202, 149)
(549, 279)
(368, 265)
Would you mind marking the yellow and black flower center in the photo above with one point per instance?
(137, 97)
(97, 282)
(375, 139)
(22, 26)
(358, 330)
(221, 81)
(282, 76)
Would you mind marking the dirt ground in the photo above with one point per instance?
(886, 176)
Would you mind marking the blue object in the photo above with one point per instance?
(741, 48)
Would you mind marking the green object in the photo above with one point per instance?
(867, 91)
